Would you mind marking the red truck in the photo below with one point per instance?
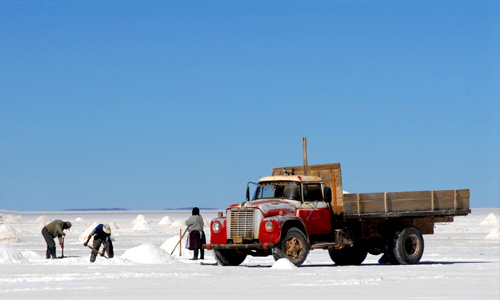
(302, 208)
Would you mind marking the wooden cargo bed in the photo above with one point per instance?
(410, 204)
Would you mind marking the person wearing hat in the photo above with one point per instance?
(102, 235)
(49, 233)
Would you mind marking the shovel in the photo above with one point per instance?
(62, 248)
(101, 254)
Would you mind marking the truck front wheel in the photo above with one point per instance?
(408, 246)
(229, 257)
(293, 247)
(354, 255)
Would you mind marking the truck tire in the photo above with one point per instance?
(354, 255)
(229, 257)
(293, 247)
(408, 246)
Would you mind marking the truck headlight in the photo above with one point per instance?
(269, 226)
(216, 227)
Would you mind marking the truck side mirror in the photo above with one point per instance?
(328, 194)
(248, 193)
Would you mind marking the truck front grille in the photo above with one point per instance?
(241, 224)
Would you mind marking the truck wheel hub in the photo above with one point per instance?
(412, 245)
(293, 248)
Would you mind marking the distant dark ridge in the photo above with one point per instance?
(92, 209)
(190, 208)
(109, 209)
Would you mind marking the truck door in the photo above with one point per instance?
(314, 211)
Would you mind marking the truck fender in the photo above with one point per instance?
(219, 237)
(297, 223)
(281, 224)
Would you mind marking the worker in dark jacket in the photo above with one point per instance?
(196, 234)
(102, 235)
(49, 233)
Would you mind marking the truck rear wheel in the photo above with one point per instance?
(293, 247)
(354, 255)
(229, 257)
(408, 246)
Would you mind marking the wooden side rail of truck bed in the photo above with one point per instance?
(411, 204)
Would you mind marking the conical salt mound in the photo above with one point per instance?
(9, 235)
(166, 221)
(491, 219)
(139, 219)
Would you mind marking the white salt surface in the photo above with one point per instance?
(459, 262)
(178, 223)
(10, 255)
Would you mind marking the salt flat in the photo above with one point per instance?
(461, 261)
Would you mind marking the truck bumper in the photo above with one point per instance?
(265, 246)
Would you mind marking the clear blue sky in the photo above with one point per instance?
(165, 104)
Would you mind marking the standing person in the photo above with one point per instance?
(102, 235)
(49, 233)
(196, 234)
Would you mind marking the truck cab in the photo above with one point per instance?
(305, 193)
(259, 226)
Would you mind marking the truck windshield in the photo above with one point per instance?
(278, 189)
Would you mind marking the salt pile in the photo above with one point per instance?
(148, 254)
(166, 221)
(169, 245)
(491, 219)
(9, 235)
(43, 219)
(83, 237)
(283, 264)
(113, 226)
(10, 255)
(139, 219)
(142, 225)
(14, 219)
(494, 234)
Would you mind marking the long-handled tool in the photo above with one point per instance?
(62, 248)
(100, 253)
(179, 241)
